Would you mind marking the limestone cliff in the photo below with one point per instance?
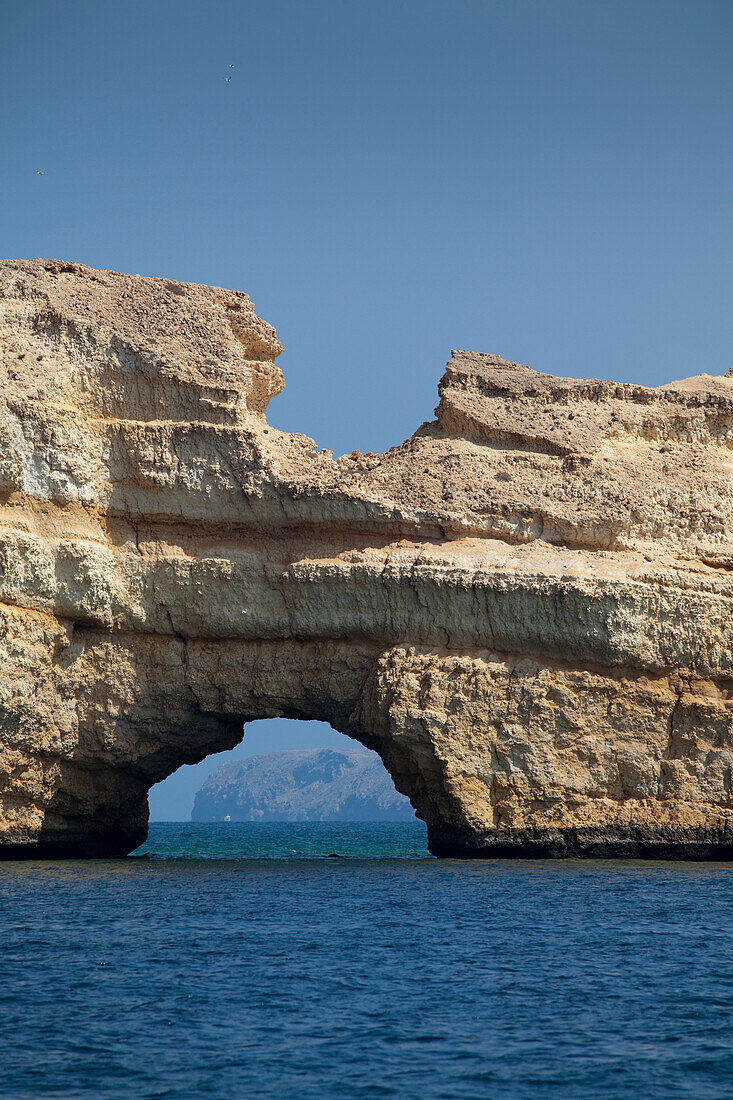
(302, 785)
(525, 608)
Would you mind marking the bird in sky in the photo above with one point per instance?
(227, 79)
(39, 173)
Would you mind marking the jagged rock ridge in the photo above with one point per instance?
(302, 785)
(525, 608)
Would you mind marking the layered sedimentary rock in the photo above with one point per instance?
(525, 608)
(302, 785)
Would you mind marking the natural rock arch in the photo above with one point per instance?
(525, 608)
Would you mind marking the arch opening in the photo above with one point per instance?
(283, 769)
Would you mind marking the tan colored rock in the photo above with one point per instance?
(525, 608)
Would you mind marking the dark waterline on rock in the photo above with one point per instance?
(231, 961)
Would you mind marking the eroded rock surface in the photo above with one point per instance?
(525, 608)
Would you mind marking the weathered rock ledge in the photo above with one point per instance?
(525, 609)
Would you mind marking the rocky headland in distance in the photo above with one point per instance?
(302, 785)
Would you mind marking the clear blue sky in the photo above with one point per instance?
(388, 180)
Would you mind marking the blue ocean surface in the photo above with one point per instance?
(237, 961)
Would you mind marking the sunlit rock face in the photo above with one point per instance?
(525, 608)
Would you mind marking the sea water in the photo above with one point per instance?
(321, 961)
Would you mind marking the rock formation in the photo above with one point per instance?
(302, 785)
(525, 608)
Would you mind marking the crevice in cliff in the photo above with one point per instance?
(668, 752)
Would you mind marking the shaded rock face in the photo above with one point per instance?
(302, 785)
(525, 608)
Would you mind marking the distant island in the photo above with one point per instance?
(302, 785)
